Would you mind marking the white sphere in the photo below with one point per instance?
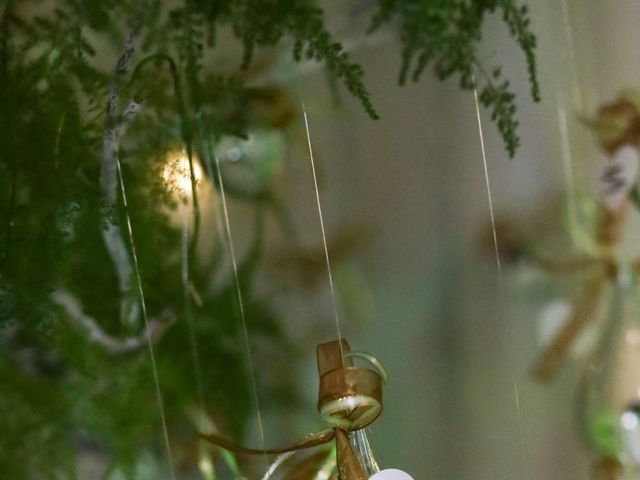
(391, 474)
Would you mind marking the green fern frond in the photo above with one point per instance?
(446, 35)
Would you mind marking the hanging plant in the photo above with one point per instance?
(96, 99)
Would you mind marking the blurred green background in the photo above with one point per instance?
(407, 219)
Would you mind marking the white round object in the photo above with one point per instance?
(391, 474)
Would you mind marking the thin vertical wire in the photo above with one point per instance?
(189, 317)
(577, 233)
(567, 163)
(571, 49)
(563, 123)
(217, 220)
(320, 216)
(236, 277)
(143, 304)
(507, 328)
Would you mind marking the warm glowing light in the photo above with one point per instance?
(177, 175)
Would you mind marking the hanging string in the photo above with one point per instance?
(143, 305)
(571, 50)
(186, 292)
(219, 226)
(563, 124)
(507, 329)
(567, 163)
(579, 235)
(238, 289)
(332, 289)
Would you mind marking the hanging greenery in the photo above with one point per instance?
(87, 87)
(446, 35)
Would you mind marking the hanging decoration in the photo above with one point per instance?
(81, 245)
(349, 400)
(609, 394)
(350, 397)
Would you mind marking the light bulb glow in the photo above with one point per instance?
(176, 173)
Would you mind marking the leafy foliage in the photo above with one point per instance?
(254, 22)
(446, 34)
(66, 391)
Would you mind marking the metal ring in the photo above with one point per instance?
(334, 411)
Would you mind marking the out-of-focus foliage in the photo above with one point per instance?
(63, 389)
(446, 34)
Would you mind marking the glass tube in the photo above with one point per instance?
(362, 448)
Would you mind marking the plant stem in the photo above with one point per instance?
(111, 233)
(186, 132)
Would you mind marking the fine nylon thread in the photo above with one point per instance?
(565, 139)
(143, 304)
(234, 263)
(320, 216)
(567, 164)
(189, 317)
(507, 328)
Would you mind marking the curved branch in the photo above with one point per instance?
(113, 130)
(113, 345)
(583, 307)
(185, 130)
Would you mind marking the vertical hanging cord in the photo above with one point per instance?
(571, 50)
(236, 277)
(578, 234)
(319, 207)
(186, 292)
(563, 123)
(507, 329)
(143, 304)
(567, 163)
